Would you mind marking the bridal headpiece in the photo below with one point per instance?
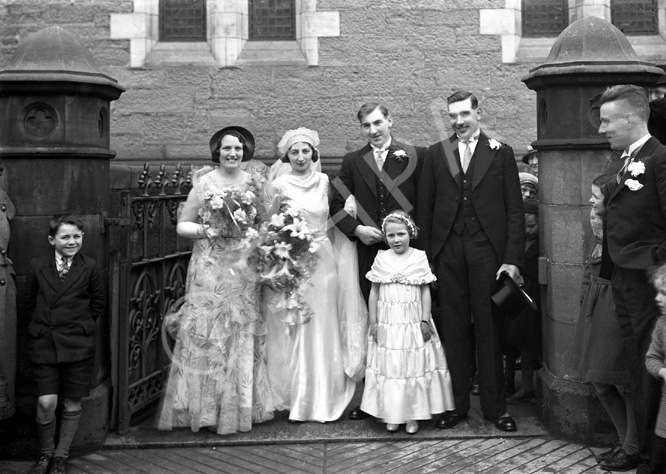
(301, 134)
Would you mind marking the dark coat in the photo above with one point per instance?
(377, 194)
(496, 197)
(358, 175)
(63, 313)
(657, 121)
(635, 230)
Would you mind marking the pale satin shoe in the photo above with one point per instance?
(412, 427)
(392, 427)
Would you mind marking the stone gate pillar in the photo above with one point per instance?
(590, 55)
(54, 145)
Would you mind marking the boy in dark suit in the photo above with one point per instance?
(64, 296)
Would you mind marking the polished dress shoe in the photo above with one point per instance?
(449, 419)
(358, 414)
(412, 427)
(621, 461)
(504, 423)
(392, 427)
(608, 455)
(520, 396)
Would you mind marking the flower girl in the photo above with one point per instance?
(406, 378)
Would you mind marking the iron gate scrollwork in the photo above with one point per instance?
(151, 269)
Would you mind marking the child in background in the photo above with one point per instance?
(64, 296)
(407, 377)
(524, 330)
(655, 361)
(598, 337)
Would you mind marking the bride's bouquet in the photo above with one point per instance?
(231, 212)
(286, 259)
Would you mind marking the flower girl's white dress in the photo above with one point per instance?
(406, 378)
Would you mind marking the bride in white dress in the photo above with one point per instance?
(306, 362)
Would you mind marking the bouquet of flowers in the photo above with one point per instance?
(286, 258)
(231, 213)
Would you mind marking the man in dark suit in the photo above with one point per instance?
(382, 177)
(635, 241)
(473, 229)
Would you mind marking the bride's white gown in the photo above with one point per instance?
(305, 362)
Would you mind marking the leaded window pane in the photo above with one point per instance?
(544, 18)
(272, 20)
(182, 20)
(635, 17)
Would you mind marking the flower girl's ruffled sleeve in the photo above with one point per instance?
(413, 271)
(421, 273)
(380, 272)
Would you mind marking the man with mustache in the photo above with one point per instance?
(473, 228)
(382, 177)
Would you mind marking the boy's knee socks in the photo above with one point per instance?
(68, 427)
(46, 436)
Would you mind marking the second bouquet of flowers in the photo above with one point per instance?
(286, 259)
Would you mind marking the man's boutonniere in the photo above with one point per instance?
(633, 184)
(636, 168)
(494, 144)
(398, 154)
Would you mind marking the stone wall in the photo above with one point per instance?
(409, 55)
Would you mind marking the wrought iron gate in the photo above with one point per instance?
(148, 271)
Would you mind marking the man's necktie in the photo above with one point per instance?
(378, 158)
(628, 158)
(467, 156)
(63, 268)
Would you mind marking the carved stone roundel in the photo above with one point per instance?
(39, 120)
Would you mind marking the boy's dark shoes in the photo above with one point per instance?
(505, 423)
(42, 465)
(449, 420)
(621, 461)
(520, 396)
(58, 466)
(358, 414)
(608, 455)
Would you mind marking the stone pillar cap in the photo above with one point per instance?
(55, 55)
(593, 45)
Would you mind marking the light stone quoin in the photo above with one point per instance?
(227, 44)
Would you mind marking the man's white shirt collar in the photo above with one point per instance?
(473, 140)
(384, 146)
(637, 144)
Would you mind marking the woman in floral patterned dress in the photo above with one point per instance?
(218, 374)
